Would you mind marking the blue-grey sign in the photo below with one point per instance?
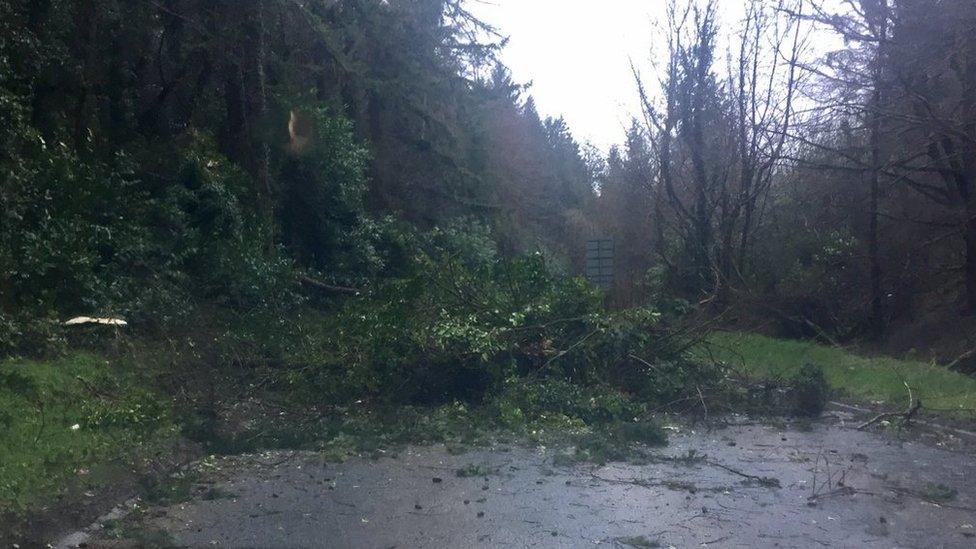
(599, 263)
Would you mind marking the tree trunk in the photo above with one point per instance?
(877, 322)
(264, 146)
(235, 128)
(85, 20)
(969, 269)
(726, 253)
(877, 300)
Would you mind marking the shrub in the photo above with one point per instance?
(460, 323)
(322, 213)
(809, 391)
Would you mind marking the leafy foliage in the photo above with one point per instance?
(322, 212)
(810, 391)
(462, 325)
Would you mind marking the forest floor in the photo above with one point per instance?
(744, 484)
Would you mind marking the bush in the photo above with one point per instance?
(461, 323)
(89, 235)
(809, 391)
(322, 212)
(815, 282)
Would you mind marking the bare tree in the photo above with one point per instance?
(852, 90)
(907, 73)
(719, 140)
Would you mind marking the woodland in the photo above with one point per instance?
(338, 209)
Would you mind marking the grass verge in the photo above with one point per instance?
(67, 422)
(878, 379)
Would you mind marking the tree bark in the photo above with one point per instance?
(969, 269)
(874, 259)
(877, 322)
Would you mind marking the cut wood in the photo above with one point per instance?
(89, 321)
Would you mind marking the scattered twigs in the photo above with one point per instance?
(764, 481)
(914, 405)
(835, 483)
(939, 426)
(643, 483)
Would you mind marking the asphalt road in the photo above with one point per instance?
(837, 487)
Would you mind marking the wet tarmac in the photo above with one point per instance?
(757, 486)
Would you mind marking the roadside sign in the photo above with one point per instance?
(599, 263)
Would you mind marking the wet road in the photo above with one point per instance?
(837, 487)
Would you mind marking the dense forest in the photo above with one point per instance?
(148, 162)
(824, 195)
(297, 209)
(163, 156)
(314, 205)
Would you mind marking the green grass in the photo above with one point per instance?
(863, 378)
(65, 422)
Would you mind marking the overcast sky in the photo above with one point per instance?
(577, 55)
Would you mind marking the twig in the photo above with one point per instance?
(765, 481)
(954, 430)
(914, 405)
(962, 358)
(702, 398)
(841, 491)
(644, 362)
(564, 352)
(92, 389)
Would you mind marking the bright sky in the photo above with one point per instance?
(577, 55)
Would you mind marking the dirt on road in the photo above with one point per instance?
(747, 485)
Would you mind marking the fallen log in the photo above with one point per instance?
(328, 288)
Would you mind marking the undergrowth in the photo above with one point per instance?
(460, 343)
(66, 420)
(455, 345)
